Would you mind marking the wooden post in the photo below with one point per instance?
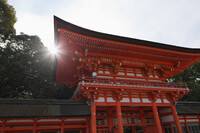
(199, 118)
(133, 129)
(187, 128)
(143, 120)
(162, 126)
(81, 131)
(186, 125)
(93, 117)
(176, 119)
(35, 126)
(87, 126)
(156, 117)
(110, 120)
(62, 126)
(119, 116)
(3, 126)
(171, 127)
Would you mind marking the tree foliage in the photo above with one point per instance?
(191, 77)
(26, 66)
(26, 69)
(7, 19)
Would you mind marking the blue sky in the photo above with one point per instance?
(172, 22)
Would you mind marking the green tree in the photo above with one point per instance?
(26, 70)
(25, 64)
(7, 19)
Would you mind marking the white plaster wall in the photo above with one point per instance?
(192, 120)
(100, 99)
(125, 100)
(165, 101)
(136, 100)
(182, 120)
(146, 100)
(110, 99)
(158, 101)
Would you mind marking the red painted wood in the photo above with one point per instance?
(119, 116)
(93, 117)
(176, 119)
(156, 117)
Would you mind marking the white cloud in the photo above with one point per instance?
(102, 16)
(172, 22)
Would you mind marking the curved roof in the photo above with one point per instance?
(59, 23)
(73, 39)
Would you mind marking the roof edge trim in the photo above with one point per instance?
(59, 23)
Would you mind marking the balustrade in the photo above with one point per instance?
(133, 83)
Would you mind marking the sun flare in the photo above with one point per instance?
(53, 50)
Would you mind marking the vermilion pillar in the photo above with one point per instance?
(87, 126)
(143, 120)
(176, 119)
(93, 117)
(62, 127)
(133, 129)
(110, 120)
(171, 127)
(156, 117)
(187, 128)
(3, 126)
(119, 116)
(34, 126)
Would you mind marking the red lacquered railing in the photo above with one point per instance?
(132, 83)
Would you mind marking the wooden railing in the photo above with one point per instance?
(132, 83)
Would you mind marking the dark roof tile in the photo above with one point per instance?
(42, 108)
(188, 108)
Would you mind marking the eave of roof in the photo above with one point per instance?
(41, 101)
(59, 23)
(153, 51)
(25, 108)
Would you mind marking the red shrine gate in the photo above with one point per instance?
(122, 79)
